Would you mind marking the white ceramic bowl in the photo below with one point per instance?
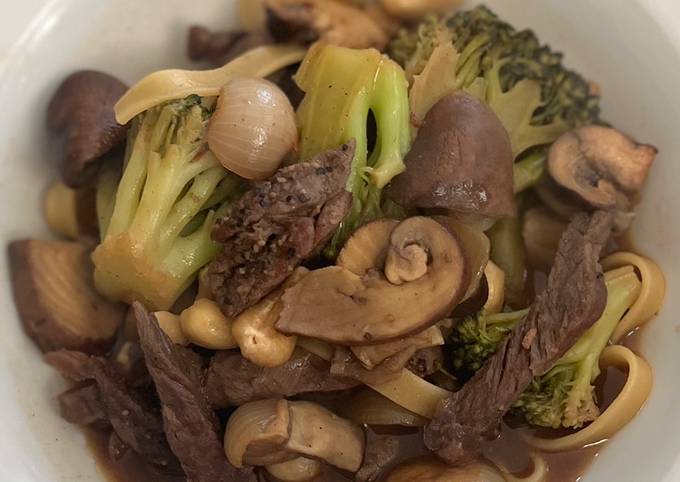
(630, 47)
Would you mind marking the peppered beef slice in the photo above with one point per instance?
(190, 424)
(276, 225)
(134, 418)
(573, 300)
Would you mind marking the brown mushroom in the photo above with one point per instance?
(220, 47)
(269, 432)
(55, 296)
(81, 115)
(367, 248)
(461, 160)
(333, 22)
(602, 165)
(339, 306)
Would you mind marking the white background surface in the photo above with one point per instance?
(631, 48)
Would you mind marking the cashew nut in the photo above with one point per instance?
(254, 330)
(170, 324)
(204, 324)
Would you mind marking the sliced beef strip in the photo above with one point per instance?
(573, 300)
(82, 405)
(190, 424)
(134, 419)
(276, 225)
(233, 380)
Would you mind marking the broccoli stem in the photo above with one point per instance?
(158, 235)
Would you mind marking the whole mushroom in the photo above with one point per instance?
(81, 115)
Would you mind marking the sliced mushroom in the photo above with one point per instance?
(367, 248)
(81, 114)
(461, 160)
(602, 165)
(372, 355)
(333, 22)
(274, 431)
(55, 296)
(476, 246)
(434, 470)
(337, 305)
(300, 469)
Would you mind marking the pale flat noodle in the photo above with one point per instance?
(409, 390)
(651, 296)
(165, 85)
(622, 410)
(495, 280)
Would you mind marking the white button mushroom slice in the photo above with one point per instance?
(339, 306)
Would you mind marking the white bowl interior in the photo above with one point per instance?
(630, 48)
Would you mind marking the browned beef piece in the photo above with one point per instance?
(219, 47)
(134, 419)
(82, 405)
(381, 452)
(233, 380)
(276, 225)
(573, 300)
(190, 425)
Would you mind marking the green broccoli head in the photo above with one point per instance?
(155, 225)
(536, 98)
(565, 395)
(343, 88)
(476, 338)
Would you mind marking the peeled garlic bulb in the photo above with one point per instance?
(253, 127)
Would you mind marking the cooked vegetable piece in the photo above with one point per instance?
(220, 47)
(372, 355)
(476, 246)
(434, 470)
(146, 253)
(362, 82)
(336, 305)
(535, 97)
(272, 431)
(565, 396)
(190, 424)
(300, 469)
(509, 254)
(80, 113)
(55, 296)
(603, 166)
(574, 299)
(168, 85)
(328, 20)
(461, 161)
(70, 212)
(276, 225)
(253, 127)
(368, 407)
(170, 324)
(367, 248)
(541, 231)
(474, 339)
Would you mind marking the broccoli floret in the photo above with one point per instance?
(534, 95)
(343, 87)
(476, 338)
(565, 396)
(155, 226)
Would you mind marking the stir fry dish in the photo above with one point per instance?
(370, 241)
